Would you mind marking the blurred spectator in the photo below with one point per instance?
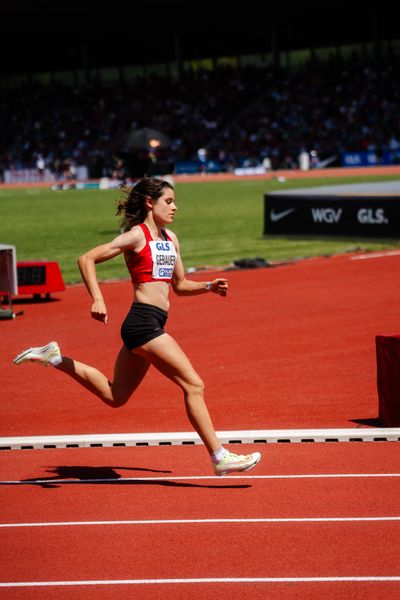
(314, 159)
(119, 171)
(202, 156)
(68, 178)
(69, 170)
(304, 160)
(40, 165)
(266, 163)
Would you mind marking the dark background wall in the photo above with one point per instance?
(52, 35)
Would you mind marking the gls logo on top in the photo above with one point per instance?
(163, 246)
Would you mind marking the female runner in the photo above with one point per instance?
(153, 259)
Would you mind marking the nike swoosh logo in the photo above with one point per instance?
(277, 216)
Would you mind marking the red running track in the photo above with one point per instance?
(356, 485)
(290, 347)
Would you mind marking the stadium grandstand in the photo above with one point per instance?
(248, 92)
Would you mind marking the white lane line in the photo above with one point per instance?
(205, 580)
(171, 479)
(203, 521)
(372, 255)
(375, 255)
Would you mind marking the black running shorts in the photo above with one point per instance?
(143, 323)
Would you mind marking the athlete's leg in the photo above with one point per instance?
(129, 371)
(168, 357)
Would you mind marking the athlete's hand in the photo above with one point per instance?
(99, 311)
(219, 286)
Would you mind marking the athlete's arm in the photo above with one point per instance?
(87, 266)
(187, 287)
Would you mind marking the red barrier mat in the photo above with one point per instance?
(388, 374)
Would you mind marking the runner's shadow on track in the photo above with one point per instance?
(34, 300)
(78, 475)
(368, 422)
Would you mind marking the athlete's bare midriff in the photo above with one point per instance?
(153, 292)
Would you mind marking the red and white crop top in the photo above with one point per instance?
(155, 262)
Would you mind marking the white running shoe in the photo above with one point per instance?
(232, 462)
(42, 354)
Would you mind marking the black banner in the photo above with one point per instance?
(347, 215)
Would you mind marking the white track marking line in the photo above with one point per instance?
(203, 521)
(205, 580)
(238, 478)
(375, 255)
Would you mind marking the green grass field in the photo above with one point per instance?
(217, 223)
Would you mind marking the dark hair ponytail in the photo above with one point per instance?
(132, 205)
